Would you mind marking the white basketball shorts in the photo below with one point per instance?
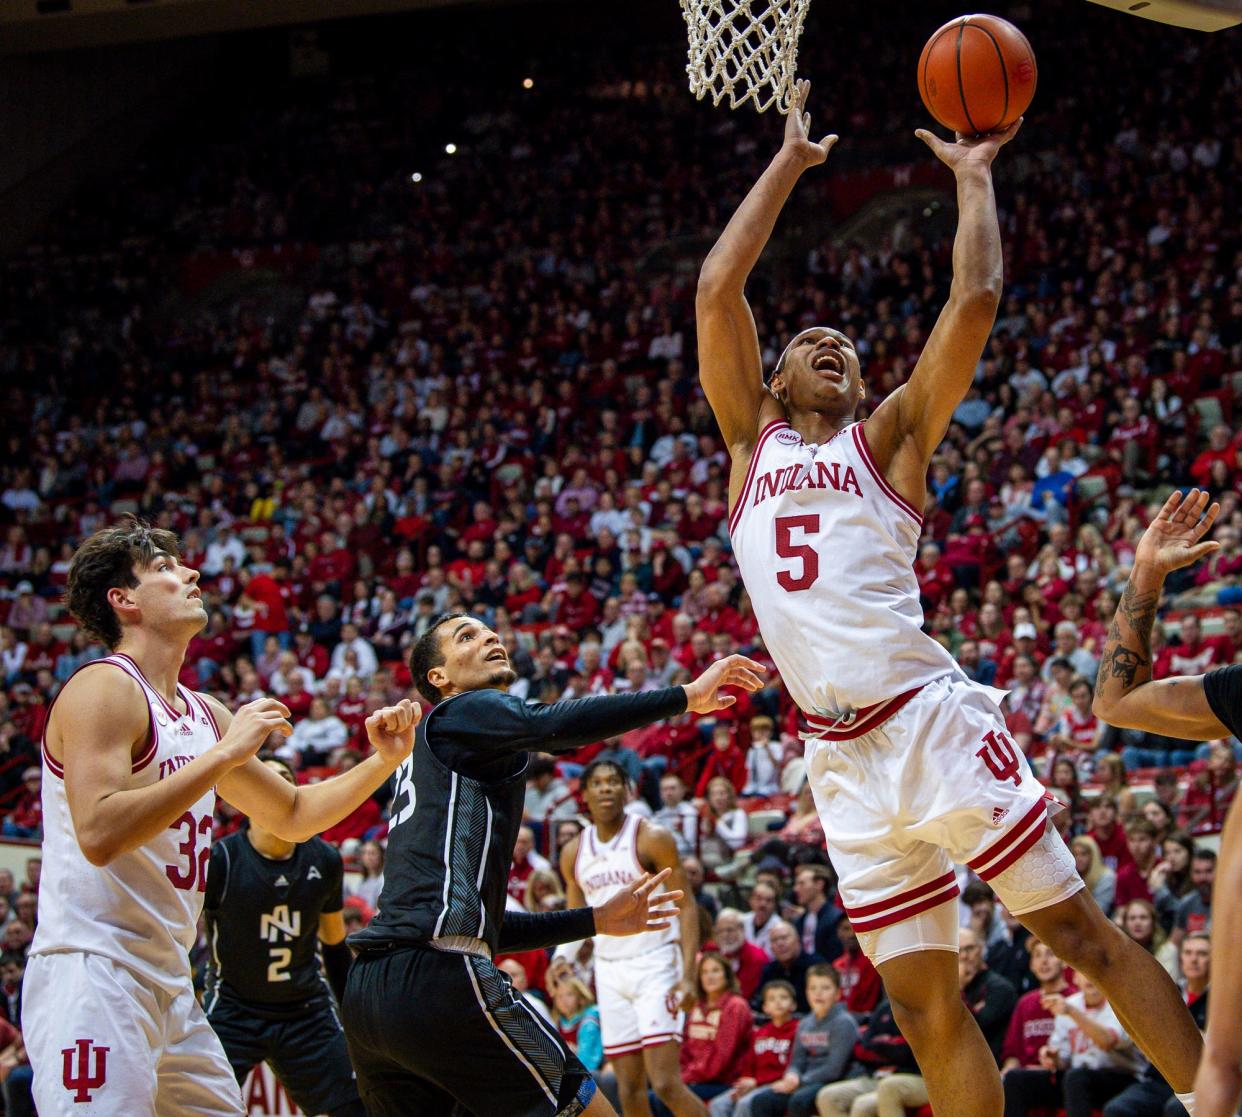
(638, 1002)
(940, 781)
(103, 1043)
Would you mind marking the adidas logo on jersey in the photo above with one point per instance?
(282, 881)
(314, 874)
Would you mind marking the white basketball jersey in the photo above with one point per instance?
(603, 869)
(826, 548)
(142, 909)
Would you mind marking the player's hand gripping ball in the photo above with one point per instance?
(977, 74)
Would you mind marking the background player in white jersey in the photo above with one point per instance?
(643, 983)
(135, 760)
(909, 762)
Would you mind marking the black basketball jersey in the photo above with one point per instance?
(457, 806)
(262, 918)
(1223, 688)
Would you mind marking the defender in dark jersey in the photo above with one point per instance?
(430, 1020)
(1196, 708)
(274, 924)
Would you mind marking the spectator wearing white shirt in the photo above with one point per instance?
(351, 640)
(315, 736)
(548, 797)
(225, 545)
(763, 759)
(288, 666)
(762, 917)
(677, 816)
(1087, 1060)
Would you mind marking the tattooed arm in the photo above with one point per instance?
(1125, 693)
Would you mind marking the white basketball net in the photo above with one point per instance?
(746, 50)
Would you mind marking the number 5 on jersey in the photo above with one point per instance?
(791, 533)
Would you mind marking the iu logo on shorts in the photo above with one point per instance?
(79, 1075)
(1001, 756)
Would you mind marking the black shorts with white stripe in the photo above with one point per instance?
(430, 1030)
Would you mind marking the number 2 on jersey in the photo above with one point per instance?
(786, 548)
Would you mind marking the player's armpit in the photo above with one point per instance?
(1176, 707)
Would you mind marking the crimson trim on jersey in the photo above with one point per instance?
(774, 425)
(947, 896)
(866, 719)
(1012, 844)
(145, 757)
(51, 764)
(159, 697)
(860, 440)
(206, 710)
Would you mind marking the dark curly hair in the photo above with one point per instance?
(108, 559)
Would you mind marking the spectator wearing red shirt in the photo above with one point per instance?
(719, 1031)
(771, 1047)
(861, 987)
(1218, 449)
(1108, 835)
(1030, 1026)
(1192, 655)
(262, 593)
(1132, 875)
(934, 576)
(362, 819)
(745, 959)
(1133, 441)
(727, 758)
(526, 860)
(1228, 644)
(25, 820)
(314, 657)
(574, 607)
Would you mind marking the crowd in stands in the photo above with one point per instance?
(486, 400)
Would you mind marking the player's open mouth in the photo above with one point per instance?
(498, 656)
(829, 362)
(195, 595)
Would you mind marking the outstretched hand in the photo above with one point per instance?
(798, 129)
(1172, 540)
(635, 909)
(967, 151)
(704, 696)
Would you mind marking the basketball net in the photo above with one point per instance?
(745, 50)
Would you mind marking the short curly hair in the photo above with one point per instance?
(110, 558)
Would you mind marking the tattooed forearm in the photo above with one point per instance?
(1138, 609)
(1127, 660)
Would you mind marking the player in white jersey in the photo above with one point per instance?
(134, 761)
(643, 983)
(909, 762)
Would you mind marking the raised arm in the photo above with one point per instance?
(299, 813)
(100, 718)
(730, 367)
(1125, 693)
(915, 418)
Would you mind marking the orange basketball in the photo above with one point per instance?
(977, 74)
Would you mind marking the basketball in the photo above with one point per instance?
(977, 74)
